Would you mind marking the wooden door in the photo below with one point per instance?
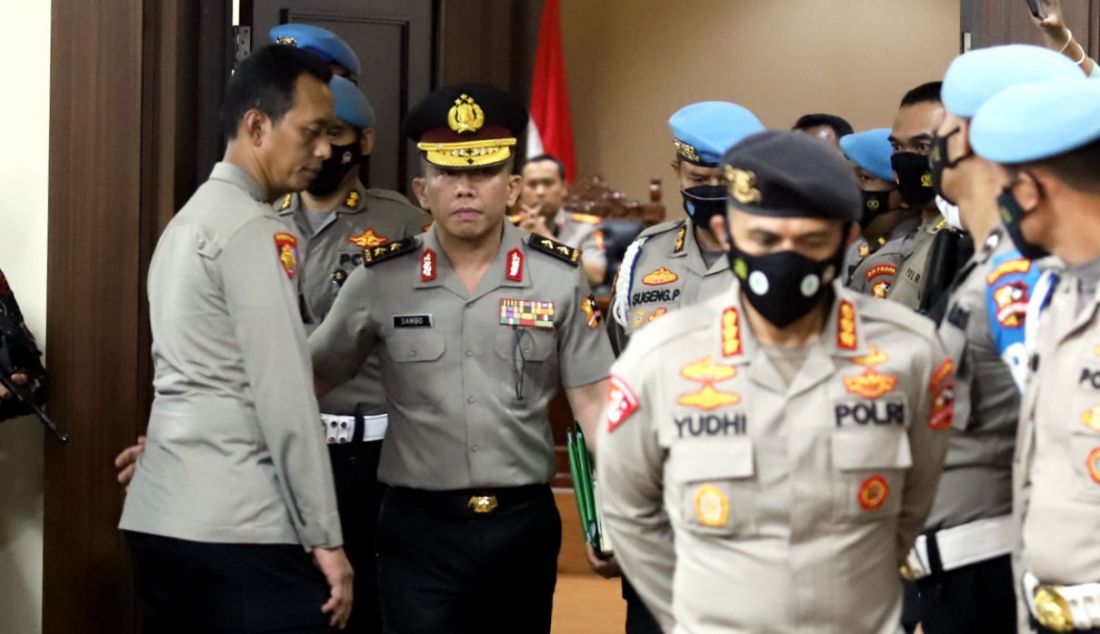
(992, 22)
(396, 46)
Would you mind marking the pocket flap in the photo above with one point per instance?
(859, 449)
(412, 347)
(708, 459)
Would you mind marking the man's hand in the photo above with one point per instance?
(533, 220)
(606, 568)
(337, 570)
(1054, 23)
(126, 462)
(18, 379)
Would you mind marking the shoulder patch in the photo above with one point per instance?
(588, 219)
(389, 251)
(880, 270)
(563, 252)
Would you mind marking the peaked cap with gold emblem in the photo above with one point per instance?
(466, 126)
(792, 175)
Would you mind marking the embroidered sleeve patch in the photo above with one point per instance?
(880, 270)
(621, 403)
(942, 388)
(286, 248)
(593, 316)
(563, 252)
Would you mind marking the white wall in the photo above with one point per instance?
(24, 166)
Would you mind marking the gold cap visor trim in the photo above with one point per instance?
(468, 153)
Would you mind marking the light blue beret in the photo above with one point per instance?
(978, 75)
(351, 104)
(1037, 120)
(871, 151)
(704, 131)
(321, 42)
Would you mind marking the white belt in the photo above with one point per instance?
(341, 429)
(1063, 608)
(961, 546)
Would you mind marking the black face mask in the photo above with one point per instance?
(1012, 215)
(937, 160)
(874, 205)
(703, 202)
(335, 168)
(914, 178)
(784, 286)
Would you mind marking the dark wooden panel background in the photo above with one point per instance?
(993, 22)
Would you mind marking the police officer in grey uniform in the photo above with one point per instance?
(476, 324)
(680, 262)
(769, 455)
(918, 118)
(338, 218)
(235, 480)
(1046, 137)
(963, 560)
(886, 229)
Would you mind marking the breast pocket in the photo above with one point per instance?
(417, 365)
(715, 485)
(869, 467)
(528, 352)
(1085, 452)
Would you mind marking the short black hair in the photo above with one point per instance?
(929, 91)
(547, 157)
(840, 125)
(1076, 168)
(266, 81)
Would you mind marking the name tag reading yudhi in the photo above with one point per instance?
(528, 313)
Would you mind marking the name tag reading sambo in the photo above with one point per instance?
(529, 313)
(412, 321)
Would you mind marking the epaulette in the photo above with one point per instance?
(389, 251)
(563, 252)
(871, 309)
(664, 227)
(587, 219)
(388, 194)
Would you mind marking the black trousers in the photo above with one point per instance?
(186, 587)
(639, 620)
(976, 598)
(445, 570)
(358, 498)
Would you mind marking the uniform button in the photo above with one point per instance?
(473, 447)
(412, 352)
(469, 353)
(470, 399)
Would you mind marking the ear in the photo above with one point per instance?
(255, 125)
(1027, 191)
(675, 165)
(420, 190)
(366, 141)
(853, 233)
(515, 187)
(718, 228)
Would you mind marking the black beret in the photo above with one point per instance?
(466, 125)
(792, 175)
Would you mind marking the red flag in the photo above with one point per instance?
(550, 130)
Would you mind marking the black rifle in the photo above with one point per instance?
(19, 355)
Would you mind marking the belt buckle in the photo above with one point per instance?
(482, 504)
(1051, 609)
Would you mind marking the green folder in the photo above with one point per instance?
(584, 486)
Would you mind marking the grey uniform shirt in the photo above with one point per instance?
(366, 218)
(468, 376)
(235, 452)
(908, 288)
(663, 269)
(874, 274)
(739, 503)
(583, 232)
(977, 478)
(1058, 452)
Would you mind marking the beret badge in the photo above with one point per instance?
(742, 185)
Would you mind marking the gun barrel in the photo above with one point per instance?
(24, 396)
